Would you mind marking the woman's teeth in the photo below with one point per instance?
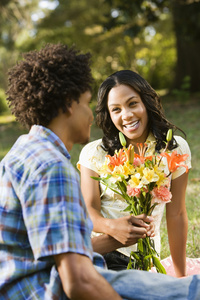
(131, 125)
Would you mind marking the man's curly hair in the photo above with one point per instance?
(46, 81)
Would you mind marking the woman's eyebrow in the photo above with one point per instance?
(115, 104)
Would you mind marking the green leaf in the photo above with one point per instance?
(122, 139)
(135, 256)
(140, 245)
(110, 186)
(158, 265)
(100, 178)
(147, 261)
(129, 266)
(96, 178)
(128, 208)
(152, 208)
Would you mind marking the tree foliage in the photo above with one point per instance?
(149, 36)
(117, 33)
(15, 20)
(186, 16)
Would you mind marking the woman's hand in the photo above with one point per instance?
(127, 230)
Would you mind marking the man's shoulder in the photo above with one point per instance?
(33, 155)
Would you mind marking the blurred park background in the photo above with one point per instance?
(159, 39)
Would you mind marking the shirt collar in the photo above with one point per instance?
(151, 144)
(46, 133)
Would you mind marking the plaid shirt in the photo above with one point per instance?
(42, 213)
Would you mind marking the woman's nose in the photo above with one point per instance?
(126, 114)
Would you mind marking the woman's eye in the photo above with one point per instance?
(115, 109)
(132, 103)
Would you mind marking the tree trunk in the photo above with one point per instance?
(186, 15)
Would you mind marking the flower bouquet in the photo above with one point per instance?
(143, 184)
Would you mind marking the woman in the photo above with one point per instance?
(127, 103)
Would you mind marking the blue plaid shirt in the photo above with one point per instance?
(42, 213)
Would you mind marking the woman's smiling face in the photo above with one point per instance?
(128, 113)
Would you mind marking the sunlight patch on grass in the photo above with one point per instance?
(6, 119)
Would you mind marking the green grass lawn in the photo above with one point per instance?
(185, 115)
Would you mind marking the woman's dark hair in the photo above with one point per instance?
(46, 81)
(158, 124)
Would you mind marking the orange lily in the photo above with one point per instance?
(175, 161)
(117, 159)
(130, 153)
(142, 149)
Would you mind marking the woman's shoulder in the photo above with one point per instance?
(92, 148)
(91, 155)
(183, 147)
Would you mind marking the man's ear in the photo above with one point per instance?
(70, 110)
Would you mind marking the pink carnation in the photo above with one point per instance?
(162, 194)
(133, 191)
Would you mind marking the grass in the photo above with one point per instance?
(185, 115)
(9, 132)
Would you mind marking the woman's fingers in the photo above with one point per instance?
(145, 218)
(141, 220)
(151, 231)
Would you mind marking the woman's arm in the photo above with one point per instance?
(126, 230)
(177, 224)
(80, 279)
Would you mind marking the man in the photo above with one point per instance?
(45, 246)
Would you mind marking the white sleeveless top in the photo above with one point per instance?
(92, 157)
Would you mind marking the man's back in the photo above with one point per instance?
(34, 176)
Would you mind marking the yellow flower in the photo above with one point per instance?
(149, 175)
(140, 169)
(120, 170)
(125, 170)
(130, 169)
(105, 169)
(135, 181)
(163, 180)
